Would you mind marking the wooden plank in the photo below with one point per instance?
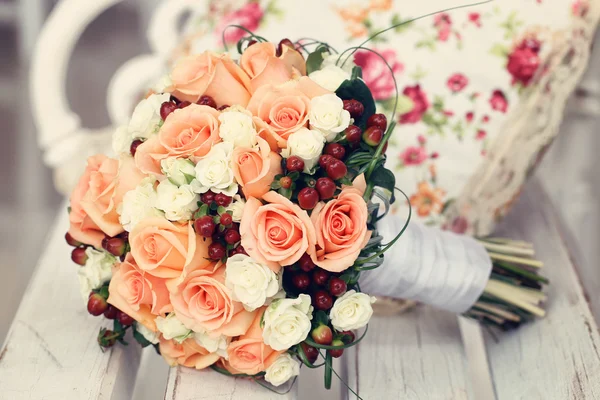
(557, 357)
(190, 384)
(416, 355)
(50, 351)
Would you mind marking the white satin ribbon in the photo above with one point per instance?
(432, 266)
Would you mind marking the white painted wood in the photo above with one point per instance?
(557, 357)
(190, 384)
(478, 368)
(50, 351)
(415, 355)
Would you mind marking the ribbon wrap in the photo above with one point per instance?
(435, 267)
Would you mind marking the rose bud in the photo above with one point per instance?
(207, 101)
(326, 188)
(111, 312)
(308, 198)
(124, 319)
(353, 134)
(335, 150)
(294, 163)
(78, 256)
(72, 242)
(115, 246)
(336, 169)
(378, 121)
(311, 353)
(322, 300)
(167, 108)
(322, 334)
(96, 304)
(337, 352)
(354, 107)
(306, 263)
(337, 286)
(107, 338)
(372, 136)
(205, 226)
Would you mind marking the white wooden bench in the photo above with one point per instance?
(51, 352)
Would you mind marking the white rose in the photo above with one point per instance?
(121, 140)
(180, 171)
(178, 203)
(172, 328)
(330, 77)
(146, 116)
(213, 343)
(213, 172)
(149, 335)
(328, 116)
(282, 370)
(138, 204)
(163, 84)
(331, 59)
(236, 208)
(351, 311)
(237, 127)
(250, 282)
(307, 144)
(287, 322)
(96, 271)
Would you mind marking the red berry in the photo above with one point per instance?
(337, 352)
(294, 163)
(223, 107)
(378, 121)
(208, 197)
(354, 107)
(115, 246)
(72, 242)
(311, 352)
(286, 182)
(111, 312)
(325, 160)
(308, 198)
(336, 170)
(124, 319)
(232, 236)
(325, 187)
(320, 277)
(216, 251)
(226, 219)
(134, 145)
(167, 108)
(207, 101)
(353, 134)
(96, 304)
(205, 226)
(301, 281)
(238, 250)
(347, 336)
(222, 199)
(183, 104)
(335, 150)
(306, 263)
(372, 136)
(322, 300)
(78, 256)
(284, 42)
(107, 338)
(337, 287)
(322, 334)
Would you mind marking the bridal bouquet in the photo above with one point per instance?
(245, 200)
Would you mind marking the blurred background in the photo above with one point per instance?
(29, 203)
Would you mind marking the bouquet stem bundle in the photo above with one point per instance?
(513, 294)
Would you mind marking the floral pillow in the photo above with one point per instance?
(482, 88)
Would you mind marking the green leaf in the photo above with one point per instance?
(117, 327)
(384, 178)
(275, 185)
(499, 50)
(356, 72)
(320, 318)
(140, 338)
(286, 193)
(358, 90)
(294, 175)
(69, 210)
(315, 59)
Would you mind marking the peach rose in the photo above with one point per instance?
(137, 293)
(167, 249)
(249, 354)
(278, 233)
(341, 226)
(214, 75)
(255, 168)
(203, 303)
(189, 353)
(282, 110)
(82, 228)
(189, 131)
(263, 66)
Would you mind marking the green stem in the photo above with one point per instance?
(376, 156)
(328, 369)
